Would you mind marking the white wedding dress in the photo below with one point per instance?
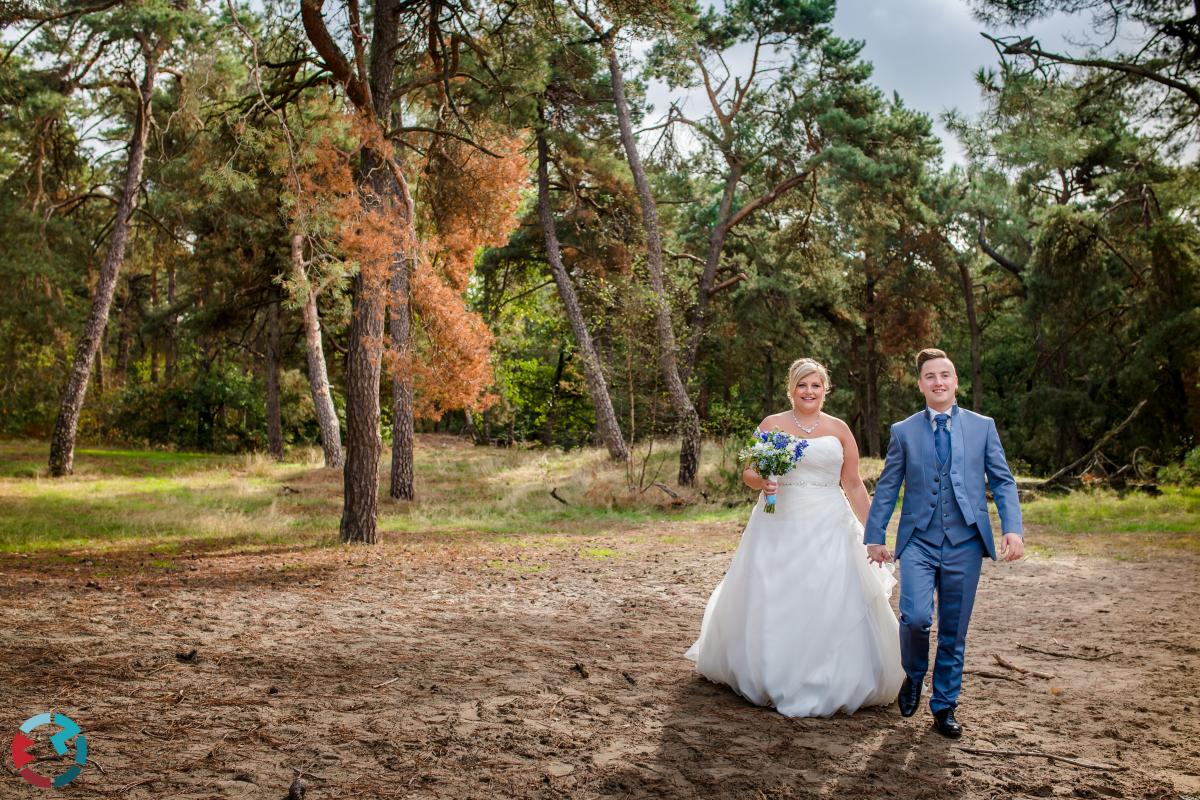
(801, 621)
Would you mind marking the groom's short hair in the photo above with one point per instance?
(928, 354)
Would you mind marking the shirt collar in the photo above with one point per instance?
(930, 415)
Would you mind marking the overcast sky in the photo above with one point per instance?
(927, 50)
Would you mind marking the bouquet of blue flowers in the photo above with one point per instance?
(772, 455)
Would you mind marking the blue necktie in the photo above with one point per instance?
(941, 438)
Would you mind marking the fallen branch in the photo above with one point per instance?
(554, 494)
(1056, 477)
(1039, 754)
(1100, 657)
(666, 489)
(984, 673)
(1009, 665)
(386, 683)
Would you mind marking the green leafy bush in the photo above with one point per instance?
(1185, 473)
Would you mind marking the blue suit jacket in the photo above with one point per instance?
(975, 453)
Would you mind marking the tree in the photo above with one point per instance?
(761, 132)
(312, 206)
(153, 28)
(422, 68)
(318, 375)
(686, 417)
(1080, 210)
(609, 429)
(1163, 67)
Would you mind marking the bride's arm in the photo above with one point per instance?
(852, 482)
(751, 478)
(750, 475)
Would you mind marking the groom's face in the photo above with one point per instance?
(938, 383)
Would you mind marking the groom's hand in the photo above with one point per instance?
(1012, 547)
(878, 554)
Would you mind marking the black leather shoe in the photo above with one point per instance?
(909, 698)
(946, 724)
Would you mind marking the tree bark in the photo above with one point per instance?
(968, 289)
(360, 501)
(371, 94)
(402, 485)
(318, 375)
(124, 332)
(154, 340)
(171, 352)
(274, 413)
(100, 366)
(685, 412)
(606, 417)
(712, 260)
(871, 385)
(66, 427)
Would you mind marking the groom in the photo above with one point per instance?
(941, 455)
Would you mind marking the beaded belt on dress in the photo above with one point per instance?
(811, 483)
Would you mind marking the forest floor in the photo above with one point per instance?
(548, 662)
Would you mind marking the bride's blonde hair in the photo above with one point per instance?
(802, 368)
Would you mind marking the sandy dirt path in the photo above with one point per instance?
(466, 667)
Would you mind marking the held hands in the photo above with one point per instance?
(878, 554)
(1012, 547)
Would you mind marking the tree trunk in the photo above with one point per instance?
(274, 413)
(606, 418)
(364, 355)
(685, 412)
(62, 445)
(124, 333)
(371, 94)
(968, 289)
(318, 375)
(155, 338)
(712, 260)
(403, 474)
(171, 352)
(100, 366)
(768, 402)
(871, 385)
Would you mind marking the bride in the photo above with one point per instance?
(801, 621)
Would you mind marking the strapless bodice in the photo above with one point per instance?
(820, 466)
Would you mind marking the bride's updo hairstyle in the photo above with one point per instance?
(802, 368)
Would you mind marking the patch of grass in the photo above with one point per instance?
(165, 504)
(598, 552)
(1101, 522)
(126, 500)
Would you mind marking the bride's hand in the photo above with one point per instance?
(878, 554)
(769, 486)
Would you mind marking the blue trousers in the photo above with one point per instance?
(953, 572)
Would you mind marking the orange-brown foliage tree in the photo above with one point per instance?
(469, 201)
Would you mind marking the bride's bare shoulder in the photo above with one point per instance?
(771, 421)
(836, 425)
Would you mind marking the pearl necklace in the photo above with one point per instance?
(806, 428)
